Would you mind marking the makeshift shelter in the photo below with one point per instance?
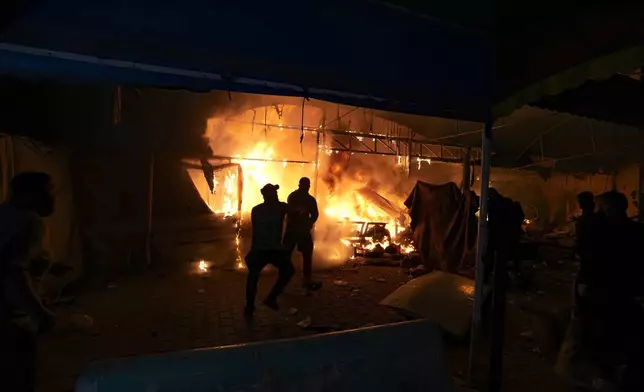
(487, 62)
(444, 227)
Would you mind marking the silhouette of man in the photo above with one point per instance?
(268, 248)
(22, 313)
(614, 277)
(302, 216)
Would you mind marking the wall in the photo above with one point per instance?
(553, 201)
(627, 181)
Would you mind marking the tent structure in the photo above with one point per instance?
(456, 60)
(470, 60)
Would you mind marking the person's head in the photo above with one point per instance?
(269, 191)
(304, 184)
(493, 193)
(32, 191)
(614, 204)
(586, 201)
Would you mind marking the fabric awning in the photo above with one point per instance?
(357, 53)
(451, 60)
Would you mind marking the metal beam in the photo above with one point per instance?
(357, 134)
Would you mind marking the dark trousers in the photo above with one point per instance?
(256, 260)
(304, 243)
(17, 357)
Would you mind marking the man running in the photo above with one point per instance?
(267, 248)
(302, 216)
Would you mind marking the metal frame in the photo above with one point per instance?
(378, 144)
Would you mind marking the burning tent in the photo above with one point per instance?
(444, 227)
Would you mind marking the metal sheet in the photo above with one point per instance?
(444, 298)
(404, 356)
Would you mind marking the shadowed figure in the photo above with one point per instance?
(267, 248)
(22, 313)
(303, 214)
(611, 305)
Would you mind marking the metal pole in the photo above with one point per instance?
(317, 166)
(467, 157)
(410, 141)
(481, 243)
(148, 228)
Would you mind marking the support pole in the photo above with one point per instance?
(148, 227)
(409, 144)
(467, 159)
(481, 244)
(317, 165)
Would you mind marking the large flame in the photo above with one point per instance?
(268, 152)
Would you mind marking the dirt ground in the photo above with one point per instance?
(172, 308)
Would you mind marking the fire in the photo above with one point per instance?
(229, 207)
(371, 245)
(203, 267)
(406, 248)
(240, 263)
(265, 144)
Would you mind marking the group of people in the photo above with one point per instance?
(278, 228)
(608, 316)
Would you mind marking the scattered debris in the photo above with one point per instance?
(292, 311)
(305, 323)
(381, 280)
(341, 283)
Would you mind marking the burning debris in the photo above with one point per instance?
(359, 198)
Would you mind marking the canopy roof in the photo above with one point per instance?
(531, 138)
(445, 59)
(353, 52)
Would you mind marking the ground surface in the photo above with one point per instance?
(173, 309)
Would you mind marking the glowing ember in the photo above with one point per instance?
(203, 267)
(406, 249)
(240, 263)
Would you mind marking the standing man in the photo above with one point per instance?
(302, 216)
(268, 248)
(22, 313)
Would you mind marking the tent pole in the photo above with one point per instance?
(148, 227)
(409, 143)
(317, 158)
(317, 165)
(481, 243)
(467, 158)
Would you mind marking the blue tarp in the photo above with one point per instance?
(353, 52)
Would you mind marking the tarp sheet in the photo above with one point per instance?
(396, 357)
(443, 227)
(355, 52)
(61, 240)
